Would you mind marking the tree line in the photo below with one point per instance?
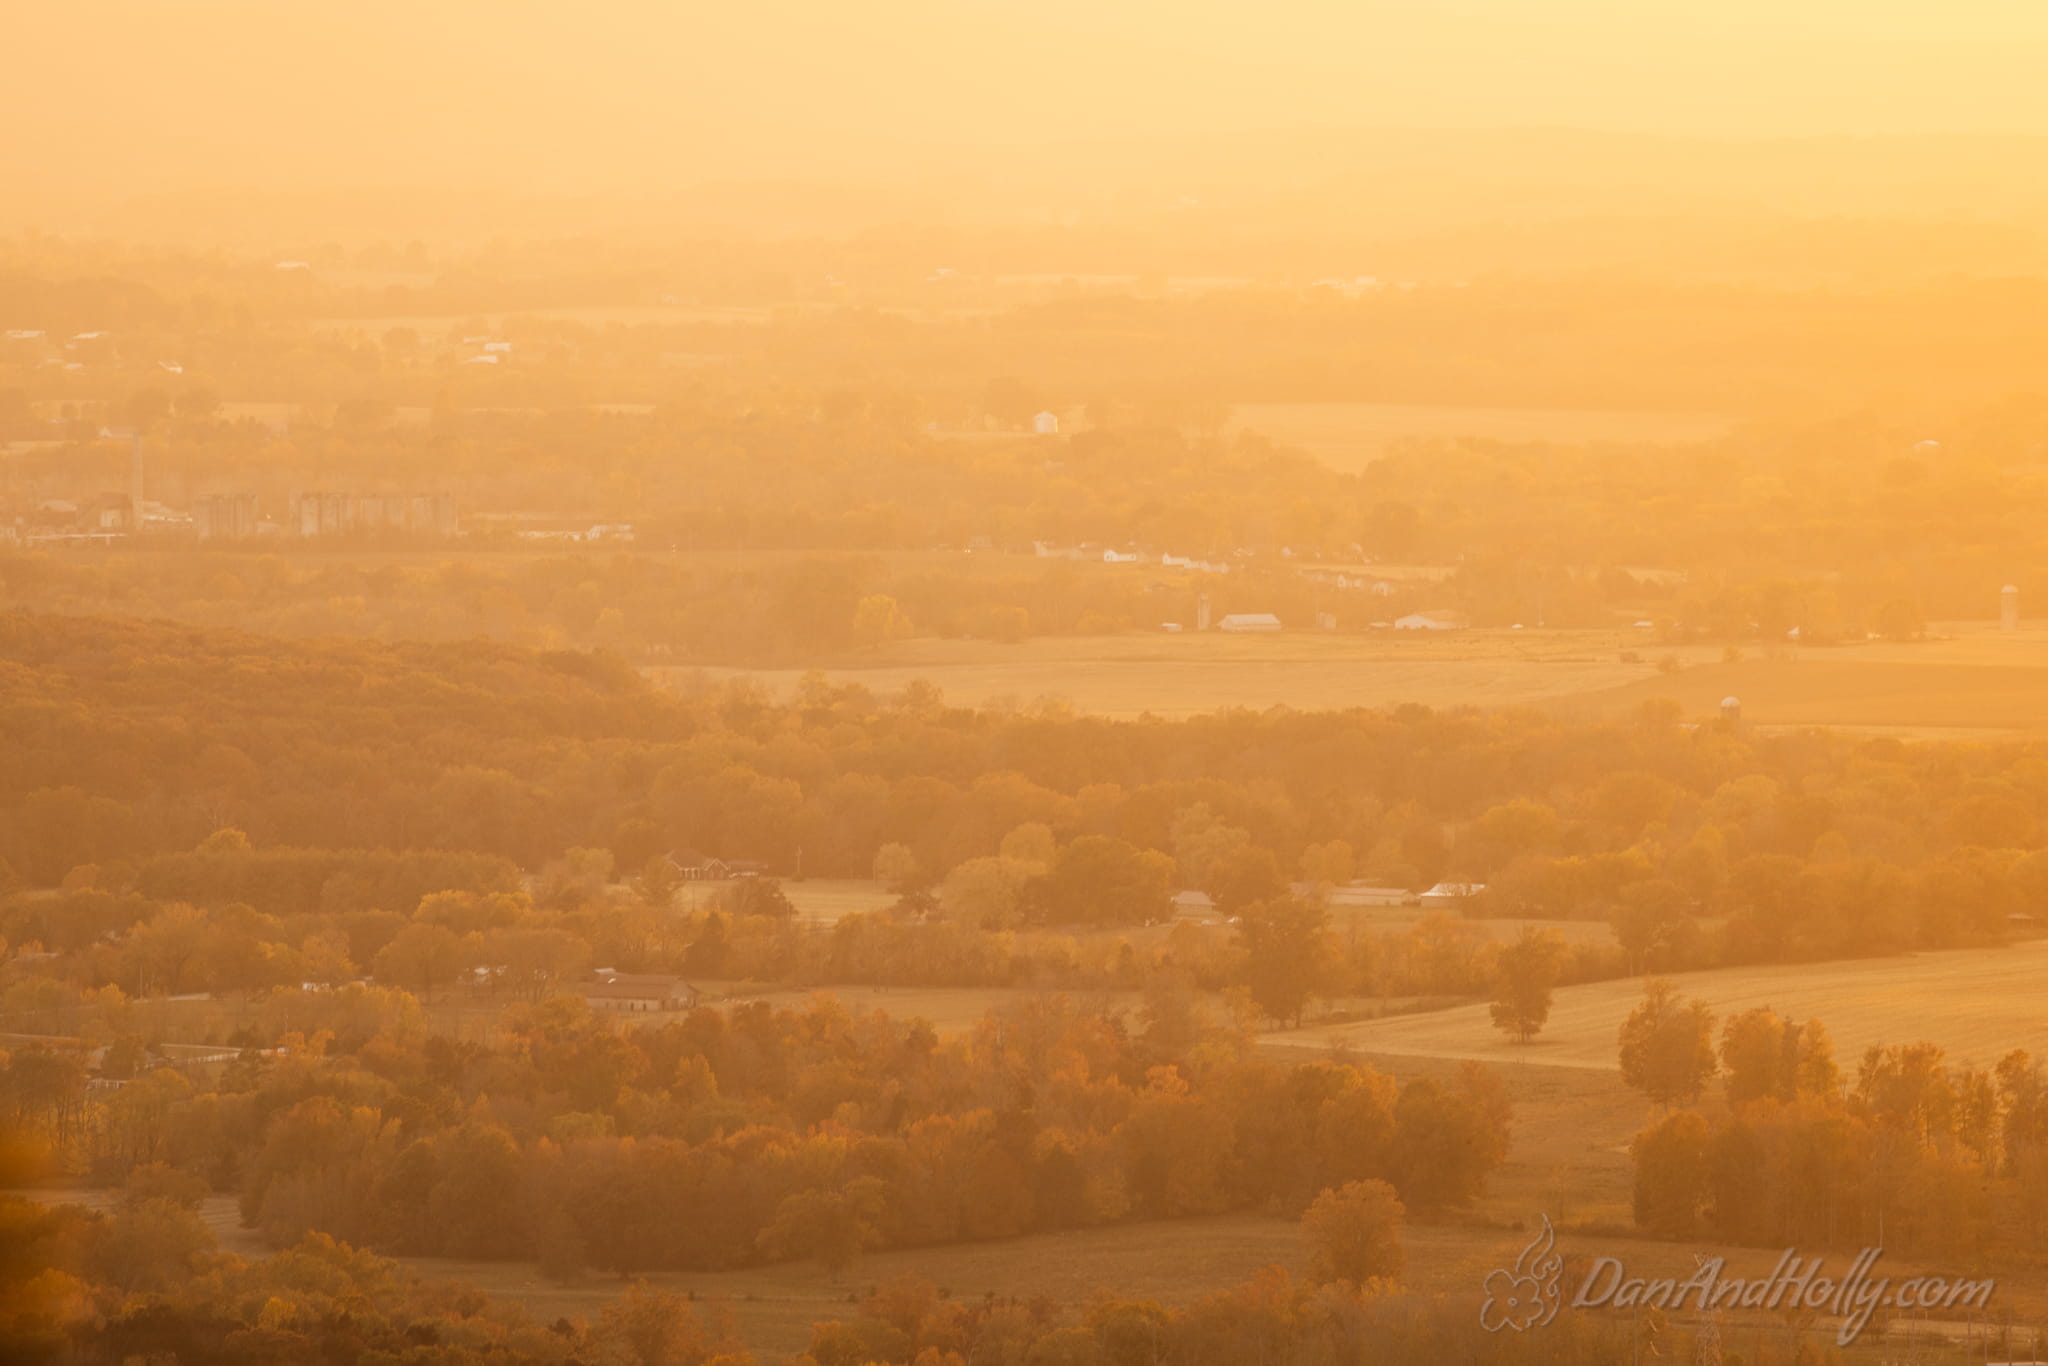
(1912, 1152)
(146, 1280)
(728, 1138)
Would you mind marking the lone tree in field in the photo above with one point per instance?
(1355, 1233)
(1667, 1045)
(1524, 976)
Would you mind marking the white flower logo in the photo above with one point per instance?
(1528, 1296)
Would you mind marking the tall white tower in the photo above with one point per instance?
(2009, 608)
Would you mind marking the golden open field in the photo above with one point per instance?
(1181, 674)
(1974, 680)
(1348, 436)
(1978, 1004)
(1968, 679)
(628, 315)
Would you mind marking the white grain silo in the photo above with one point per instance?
(2009, 607)
(1731, 709)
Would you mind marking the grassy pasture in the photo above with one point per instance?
(827, 899)
(1349, 436)
(1978, 1004)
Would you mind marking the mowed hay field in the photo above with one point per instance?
(1977, 1004)
(1971, 678)
(1968, 679)
(1348, 436)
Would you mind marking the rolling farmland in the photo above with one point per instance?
(1977, 1004)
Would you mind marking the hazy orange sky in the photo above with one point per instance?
(152, 94)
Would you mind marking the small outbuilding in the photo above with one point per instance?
(1362, 894)
(697, 867)
(638, 991)
(1249, 621)
(1432, 621)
